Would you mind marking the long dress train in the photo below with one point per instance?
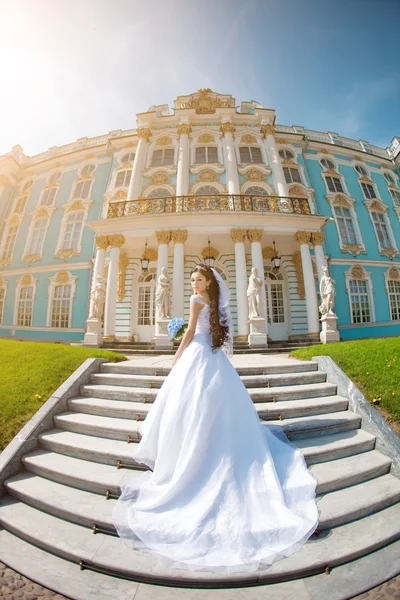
(224, 493)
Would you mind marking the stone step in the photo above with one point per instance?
(87, 508)
(316, 448)
(250, 381)
(270, 369)
(109, 554)
(98, 477)
(266, 410)
(292, 392)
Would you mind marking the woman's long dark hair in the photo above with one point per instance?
(219, 333)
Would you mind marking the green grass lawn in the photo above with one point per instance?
(30, 373)
(373, 365)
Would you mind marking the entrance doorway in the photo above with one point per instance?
(276, 304)
(146, 305)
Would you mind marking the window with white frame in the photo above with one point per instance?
(37, 235)
(73, 228)
(286, 154)
(206, 154)
(389, 178)
(395, 196)
(334, 184)
(55, 178)
(381, 229)
(88, 169)
(159, 193)
(21, 203)
(146, 297)
(48, 196)
(362, 171)
(10, 237)
(292, 175)
(27, 186)
(327, 163)
(359, 301)
(2, 302)
(256, 190)
(61, 305)
(25, 306)
(393, 286)
(345, 223)
(369, 190)
(250, 154)
(207, 190)
(162, 156)
(123, 178)
(127, 158)
(82, 189)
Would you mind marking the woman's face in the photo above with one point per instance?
(198, 282)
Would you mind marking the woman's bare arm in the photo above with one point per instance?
(195, 308)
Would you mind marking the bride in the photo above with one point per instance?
(224, 493)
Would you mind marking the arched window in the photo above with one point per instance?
(146, 297)
(207, 190)
(292, 174)
(327, 163)
(55, 177)
(381, 227)
(286, 154)
(159, 193)
(37, 235)
(395, 196)
(162, 156)
(73, 229)
(123, 178)
(389, 178)
(88, 169)
(362, 171)
(206, 154)
(27, 186)
(250, 154)
(256, 190)
(127, 158)
(275, 296)
(82, 189)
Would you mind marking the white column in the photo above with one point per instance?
(255, 237)
(163, 238)
(276, 166)
(317, 239)
(179, 237)
(239, 236)
(232, 177)
(303, 238)
(182, 174)
(102, 243)
(115, 241)
(135, 185)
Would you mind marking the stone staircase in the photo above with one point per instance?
(60, 505)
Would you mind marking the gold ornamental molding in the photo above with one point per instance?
(267, 129)
(238, 235)
(206, 138)
(227, 127)
(317, 238)
(184, 128)
(302, 237)
(163, 237)
(389, 252)
(116, 241)
(26, 279)
(353, 249)
(180, 236)
(254, 235)
(255, 175)
(357, 272)
(66, 254)
(144, 133)
(3, 281)
(282, 141)
(296, 258)
(31, 258)
(208, 175)
(4, 262)
(164, 140)
(213, 252)
(248, 139)
(62, 277)
(393, 274)
(205, 102)
(268, 252)
(159, 178)
(102, 242)
(122, 266)
(4, 180)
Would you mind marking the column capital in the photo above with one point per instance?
(267, 129)
(184, 128)
(163, 237)
(179, 236)
(102, 242)
(116, 240)
(144, 133)
(227, 127)
(238, 235)
(302, 237)
(255, 235)
(317, 237)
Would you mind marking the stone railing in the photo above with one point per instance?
(213, 203)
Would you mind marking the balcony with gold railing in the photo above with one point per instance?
(218, 203)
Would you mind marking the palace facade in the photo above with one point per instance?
(204, 180)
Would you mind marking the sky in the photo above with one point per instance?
(77, 68)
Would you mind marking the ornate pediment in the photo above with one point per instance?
(205, 101)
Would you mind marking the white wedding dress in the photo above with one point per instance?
(224, 493)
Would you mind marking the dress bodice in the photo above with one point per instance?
(203, 320)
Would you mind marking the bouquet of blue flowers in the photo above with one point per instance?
(176, 328)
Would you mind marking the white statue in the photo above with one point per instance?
(163, 295)
(253, 294)
(98, 298)
(327, 291)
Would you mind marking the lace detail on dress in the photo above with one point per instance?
(195, 298)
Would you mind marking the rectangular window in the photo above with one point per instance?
(250, 154)
(394, 299)
(10, 237)
(368, 190)
(277, 305)
(334, 184)
(60, 307)
(165, 156)
(37, 239)
(82, 189)
(292, 175)
(396, 197)
(381, 230)
(2, 298)
(144, 307)
(206, 154)
(48, 196)
(73, 230)
(123, 178)
(345, 224)
(21, 203)
(359, 300)
(25, 307)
